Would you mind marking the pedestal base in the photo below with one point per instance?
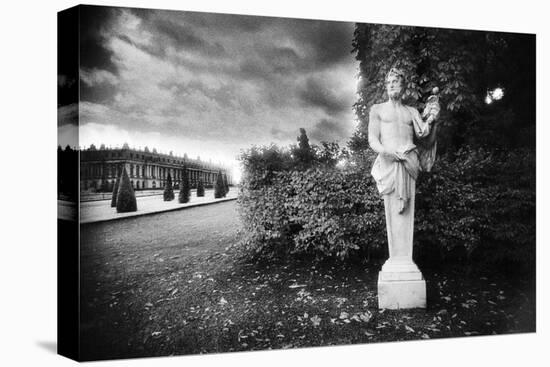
(401, 287)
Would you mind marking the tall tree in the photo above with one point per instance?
(303, 153)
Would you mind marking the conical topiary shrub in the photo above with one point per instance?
(126, 198)
(225, 184)
(115, 192)
(185, 188)
(219, 188)
(200, 188)
(168, 189)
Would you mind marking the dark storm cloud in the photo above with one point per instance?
(330, 42)
(94, 22)
(316, 92)
(327, 130)
(217, 77)
(183, 37)
(67, 115)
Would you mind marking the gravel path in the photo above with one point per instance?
(193, 230)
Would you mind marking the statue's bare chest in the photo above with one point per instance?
(393, 115)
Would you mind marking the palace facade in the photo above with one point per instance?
(146, 169)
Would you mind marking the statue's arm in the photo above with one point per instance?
(374, 130)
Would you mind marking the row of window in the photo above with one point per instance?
(113, 170)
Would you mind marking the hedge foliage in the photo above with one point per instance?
(475, 202)
(321, 212)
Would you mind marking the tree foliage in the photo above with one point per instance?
(168, 193)
(115, 192)
(200, 188)
(185, 188)
(126, 198)
(303, 154)
(225, 184)
(219, 188)
(465, 65)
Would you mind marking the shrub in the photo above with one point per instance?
(168, 189)
(476, 202)
(225, 185)
(185, 189)
(219, 189)
(115, 192)
(126, 198)
(325, 213)
(200, 188)
(482, 204)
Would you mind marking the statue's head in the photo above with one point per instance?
(395, 83)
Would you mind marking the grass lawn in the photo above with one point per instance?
(166, 285)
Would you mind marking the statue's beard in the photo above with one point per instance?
(395, 95)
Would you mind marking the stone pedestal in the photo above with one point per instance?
(401, 285)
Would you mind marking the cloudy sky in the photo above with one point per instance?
(210, 84)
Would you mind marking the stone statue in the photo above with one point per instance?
(405, 143)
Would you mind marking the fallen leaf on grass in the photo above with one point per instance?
(425, 336)
(365, 317)
(155, 334)
(223, 301)
(315, 320)
(368, 334)
(344, 315)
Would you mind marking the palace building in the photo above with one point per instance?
(146, 169)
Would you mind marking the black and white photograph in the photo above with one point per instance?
(252, 183)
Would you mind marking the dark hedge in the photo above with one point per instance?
(477, 203)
